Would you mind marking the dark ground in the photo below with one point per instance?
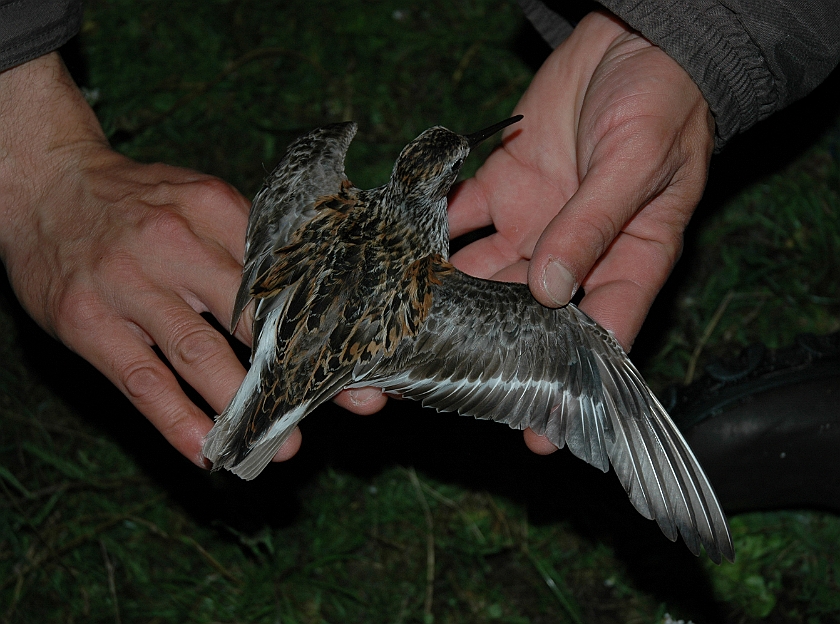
(408, 515)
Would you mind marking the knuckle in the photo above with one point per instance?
(167, 225)
(145, 382)
(176, 424)
(601, 231)
(219, 195)
(196, 345)
(153, 390)
(216, 190)
(75, 308)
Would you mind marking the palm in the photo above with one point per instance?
(600, 177)
(518, 199)
(617, 136)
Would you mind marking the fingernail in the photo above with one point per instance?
(362, 396)
(559, 284)
(202, 462)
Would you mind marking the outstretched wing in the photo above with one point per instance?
(312, 167)
(489, 350)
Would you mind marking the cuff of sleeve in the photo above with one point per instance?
(710, 43)
(553, 28)
(31, 29)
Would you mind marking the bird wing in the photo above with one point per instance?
(312, 328)
(312, 167)
(276, 394)
(489, 350)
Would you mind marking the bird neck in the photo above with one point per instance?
(421, 220)
(426, 221)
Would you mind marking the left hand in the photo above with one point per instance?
(114, 257)
(596, 184)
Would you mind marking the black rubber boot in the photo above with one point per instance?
(766, 427)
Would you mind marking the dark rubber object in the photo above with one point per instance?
(766, 427)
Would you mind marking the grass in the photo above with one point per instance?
(405, 516)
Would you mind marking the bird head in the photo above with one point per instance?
(428, 166)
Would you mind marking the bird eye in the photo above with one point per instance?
(457, 164)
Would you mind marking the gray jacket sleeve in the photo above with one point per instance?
(749, 58)
(30, 28)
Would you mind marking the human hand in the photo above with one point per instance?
(596, 184)
(113, 257)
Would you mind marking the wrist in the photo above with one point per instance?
(599, 30)
(45, 126)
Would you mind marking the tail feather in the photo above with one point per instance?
(228, 445)
(264, 450)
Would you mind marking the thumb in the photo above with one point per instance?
(624, 174)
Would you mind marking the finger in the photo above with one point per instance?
(468, 208)
(216, 210)
(620, 306)
(487, 256)
(213, 284)
(244, 328)
(204, 359)
(213, 279)
(222, 214)
(611, 192)
(516, 272)
(624, 283)
(200, 270)
(290, 447)
(200, 354)
(537, 443)
(121, 354)
(362, 401)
